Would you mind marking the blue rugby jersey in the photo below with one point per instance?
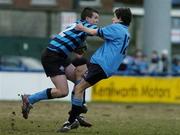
(111, 54)
(69, 39)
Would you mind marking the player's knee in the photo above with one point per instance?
(64, 95)
(80, 70)
(61, 94)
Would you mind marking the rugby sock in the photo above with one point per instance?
(75, 111)
(77, 102)
(48, 92)
(84, 108)
(42, 95)
(84, 94)
(77, 82)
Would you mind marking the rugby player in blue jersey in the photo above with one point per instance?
(105, 62)
(56, 62)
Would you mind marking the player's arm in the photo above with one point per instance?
(90, 31)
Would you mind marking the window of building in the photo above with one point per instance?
(43, 2)
(94, 3)
(6, 2)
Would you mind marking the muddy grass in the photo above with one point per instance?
(107, 119)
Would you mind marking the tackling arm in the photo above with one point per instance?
(85, 29)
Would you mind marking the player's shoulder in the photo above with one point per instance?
(111, 27)
(118, 25)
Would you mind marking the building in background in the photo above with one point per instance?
(26, 25)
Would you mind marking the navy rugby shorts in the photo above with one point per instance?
(94, 74)
(54, 63)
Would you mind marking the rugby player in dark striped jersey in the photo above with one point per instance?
(56, 62)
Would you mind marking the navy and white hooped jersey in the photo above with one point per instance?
(69, 39)
(111, 54)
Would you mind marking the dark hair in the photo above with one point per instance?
(88, 12)
(125, 15)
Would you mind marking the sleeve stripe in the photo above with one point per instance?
(94, 27)
(100, 32)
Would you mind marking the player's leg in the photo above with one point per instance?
(61, 90)
(70, 73)
(51, 63)
(95, 74)
(77, 100)
(79, 72)
(75, 111)
(81, 68)
(80, 63)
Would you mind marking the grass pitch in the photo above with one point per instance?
(107, 119)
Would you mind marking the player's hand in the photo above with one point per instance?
(79, 27)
